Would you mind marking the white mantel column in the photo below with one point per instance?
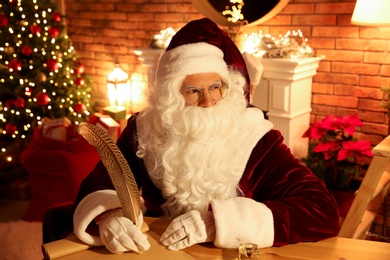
(149, 58)
(285, 93)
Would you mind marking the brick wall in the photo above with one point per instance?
(356, 64)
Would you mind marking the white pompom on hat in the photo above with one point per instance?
(201, 47)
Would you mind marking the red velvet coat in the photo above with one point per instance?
(302, 208)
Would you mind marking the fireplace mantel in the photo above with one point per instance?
(284, 92)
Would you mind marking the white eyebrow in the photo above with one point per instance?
(197, 87)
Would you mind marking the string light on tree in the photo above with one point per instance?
(40, 74)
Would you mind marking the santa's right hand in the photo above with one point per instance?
(119, 234)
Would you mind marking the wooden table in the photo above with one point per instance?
(336, 248)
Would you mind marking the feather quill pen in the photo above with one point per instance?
(117, 167)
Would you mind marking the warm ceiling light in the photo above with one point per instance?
(371, 13)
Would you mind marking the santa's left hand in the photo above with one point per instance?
(188, 229)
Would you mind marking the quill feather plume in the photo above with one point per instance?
(117, 167)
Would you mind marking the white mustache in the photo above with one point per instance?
(205, 123)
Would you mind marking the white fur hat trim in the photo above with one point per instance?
(192, 58)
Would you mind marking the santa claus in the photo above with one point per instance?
(207, 159)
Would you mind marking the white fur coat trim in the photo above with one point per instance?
(255, 126)
(242, 220)
(88, 209)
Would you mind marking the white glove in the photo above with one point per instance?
(188, 229)
(119, 234)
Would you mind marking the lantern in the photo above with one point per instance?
(118, 87)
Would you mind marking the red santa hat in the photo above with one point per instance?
(201, 47)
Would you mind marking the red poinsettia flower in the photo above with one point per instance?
(327, 148)
(331, 122)
(315, 131)
(350, 122)
(336, 157)
(351, 148)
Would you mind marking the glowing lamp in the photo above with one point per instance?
(371, 13)
(118, 90)
(118, 87)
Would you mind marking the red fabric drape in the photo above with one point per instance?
(56, 169)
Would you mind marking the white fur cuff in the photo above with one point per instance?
(89, 208)
(242, 220)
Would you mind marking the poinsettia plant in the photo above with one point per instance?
(335, 155)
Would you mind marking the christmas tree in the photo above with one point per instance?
(40, 74)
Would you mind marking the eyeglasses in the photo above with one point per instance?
(193, 95)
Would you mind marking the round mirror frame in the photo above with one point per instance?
(205, 8)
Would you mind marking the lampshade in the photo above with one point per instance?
(371, 13)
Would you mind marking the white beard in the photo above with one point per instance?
(200, 157)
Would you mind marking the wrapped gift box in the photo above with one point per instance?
(107, 123)
(117, 113)
(55, 128)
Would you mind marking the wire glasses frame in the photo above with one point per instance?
(216, 91)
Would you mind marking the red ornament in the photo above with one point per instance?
(56, 17)
(14, 65)
(9, 103)
(12, 2)
(54, 31)
(52, 64)
(42, 99)
(3, 20)
(79, 69)
(27, 50)
(80, 108)
(20, 102)
(35, 29)
(80, 81)
(10, 129)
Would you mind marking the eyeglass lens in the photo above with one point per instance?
(216, 91)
